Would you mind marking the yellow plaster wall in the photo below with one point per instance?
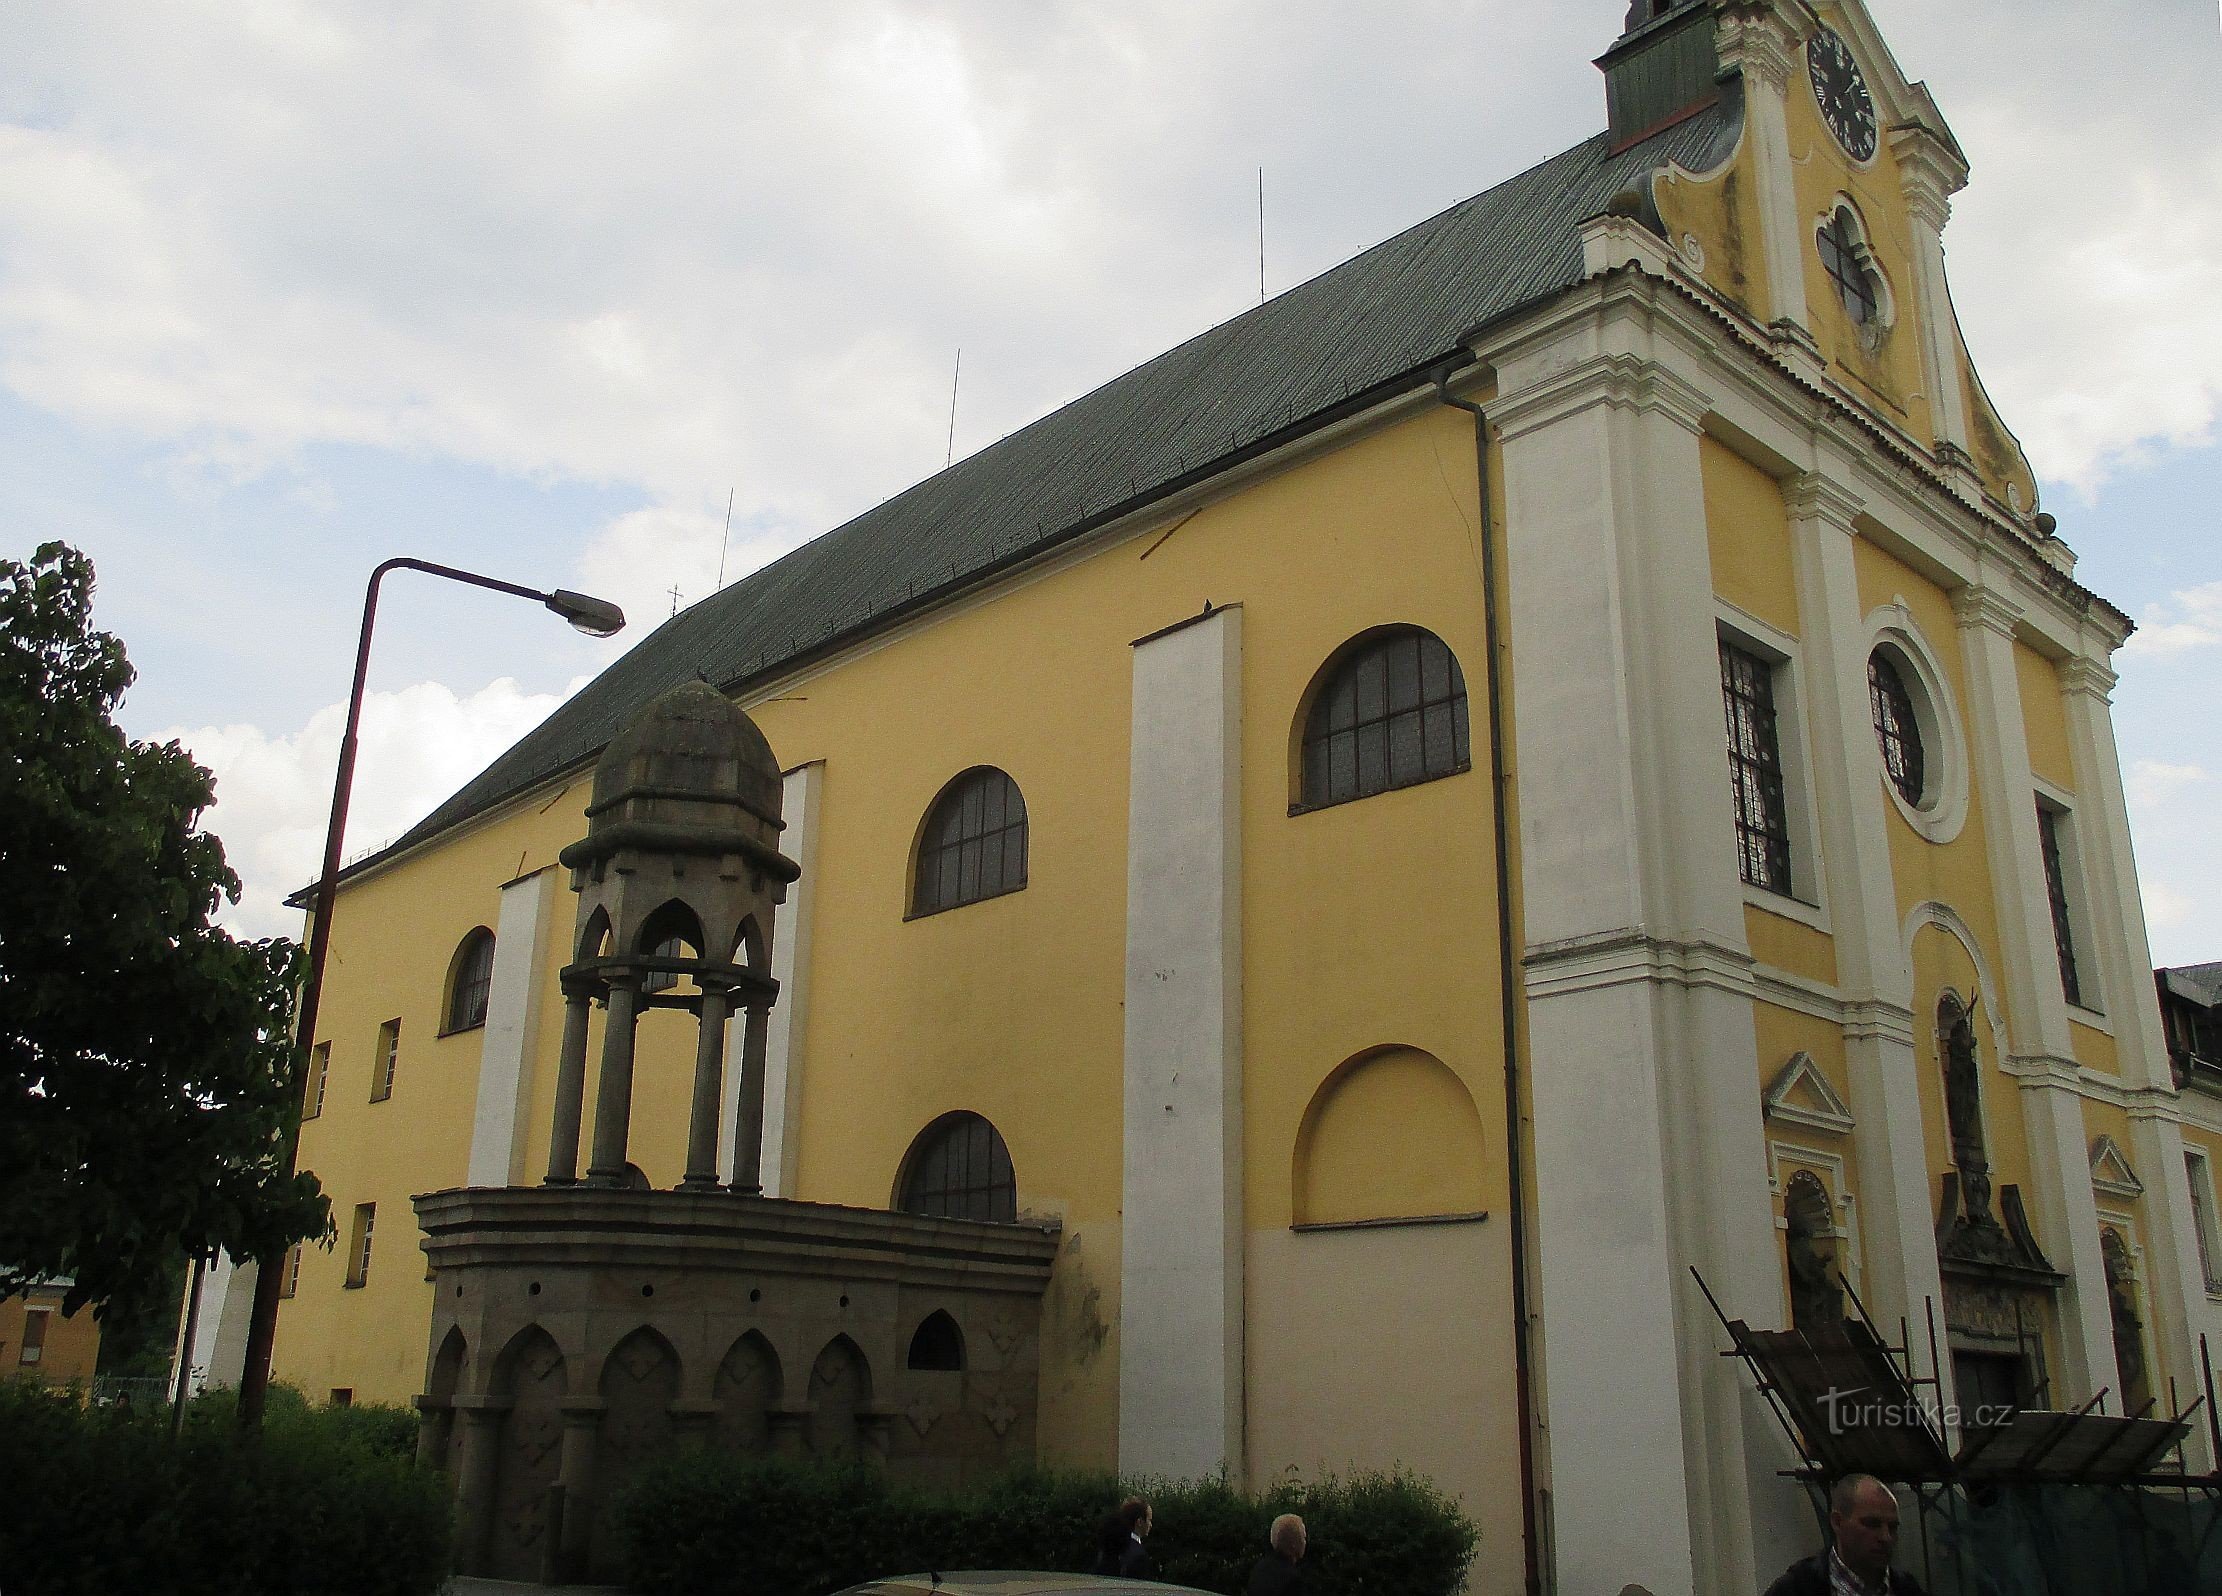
(2091, 1045)
(68, 1353)
(1361, 931)
(1748, 534)
(2044, 718)
(1782, 943)
(1715, 208)
(394, 936)
(1889, 375)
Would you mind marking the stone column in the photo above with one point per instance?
(1874, 973)
(2035, 1004)
(570, 1089)
(784, 1428)
(709, 1081)
(474, 1492)
(435, 1428)
(613, 1102)
(748, 1125)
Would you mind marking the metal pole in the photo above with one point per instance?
(185, 1346)
(262, 1326)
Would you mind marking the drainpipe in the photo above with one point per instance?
(1508, 992)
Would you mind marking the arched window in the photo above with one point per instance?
(938, 1344)
(1843, 257)
(959, 1169)
(973, 844)
(1897, 728)
(470, 980)
(1388, 711)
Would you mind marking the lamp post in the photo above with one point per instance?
(593, 616)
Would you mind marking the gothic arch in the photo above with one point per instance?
(937, 1344)
(840, 1390)
(531, 1373)
(671, 920)
(594, 935)
(748, 1386)
(638, 1384)
(448, 1364)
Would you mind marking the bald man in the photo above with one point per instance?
(1863, 1531)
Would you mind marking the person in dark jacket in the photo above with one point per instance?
(1119, 1543)
(1863, 1532)
(1276, 1573)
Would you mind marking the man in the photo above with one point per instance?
(1863, 1527)
(1276, 1574)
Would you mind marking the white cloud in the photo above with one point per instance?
(274, 791)
(2086, 252)
(2189, 618)
(2180, 852)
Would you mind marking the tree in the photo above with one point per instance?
(144, 1052)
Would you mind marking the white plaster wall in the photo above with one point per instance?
(512, 1022)
(783, 1071)
(1181, 1281)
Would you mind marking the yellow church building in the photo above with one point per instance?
(1268, 828)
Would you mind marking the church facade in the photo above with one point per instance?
(1267, 831)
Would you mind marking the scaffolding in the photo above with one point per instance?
(2029, 1503)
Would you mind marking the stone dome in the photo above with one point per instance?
(691, 746)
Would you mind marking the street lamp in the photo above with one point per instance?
(593, 616)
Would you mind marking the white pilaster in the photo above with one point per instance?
(783, 1073)
(1874, 976)
(1930, 173)
(2036, 1006)
(512, 1024)
(2177, 1287)
(1649, 1148)
(1180, 1309)
(1755, 40)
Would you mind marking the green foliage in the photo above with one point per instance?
(143, 1051)
(713, 1524)
(321, 1507)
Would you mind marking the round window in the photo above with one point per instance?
(1897, 728)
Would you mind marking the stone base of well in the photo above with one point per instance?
(578, 1333)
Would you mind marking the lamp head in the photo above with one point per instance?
(593, 616)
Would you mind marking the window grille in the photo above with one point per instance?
(1895, 727)
(1392, 713)
(973, 845)
(1855, 284)
(358, 1246)
(474, 981)
(320, 1065)
(2056, 889)
(1755, 770)
(960, 1169)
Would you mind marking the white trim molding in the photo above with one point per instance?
(1801, 1095)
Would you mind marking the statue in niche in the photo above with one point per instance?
(1963, 1106)
(1816, 1300)
(2129, 1329)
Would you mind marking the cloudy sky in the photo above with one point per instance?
(286, 289)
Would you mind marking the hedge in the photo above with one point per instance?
(329, 1503)
(708, 1523)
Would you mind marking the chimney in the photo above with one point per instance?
(1663, 68)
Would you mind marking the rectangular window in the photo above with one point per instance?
(312, 1091)
(358, 1244)
(385, 1061)
(343, 1396)
(292, 1281)
(1755, 770)
(34, 1336)
(2201, 1174)
(2056, 888)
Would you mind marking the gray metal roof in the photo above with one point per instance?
(2198, 983)
(1362, 330)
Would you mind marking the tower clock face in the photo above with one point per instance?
(1846, 106)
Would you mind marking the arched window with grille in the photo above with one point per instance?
(973, 843)
(958, 1168)
(1897, 726)
(470, 981)
(1388, 711)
